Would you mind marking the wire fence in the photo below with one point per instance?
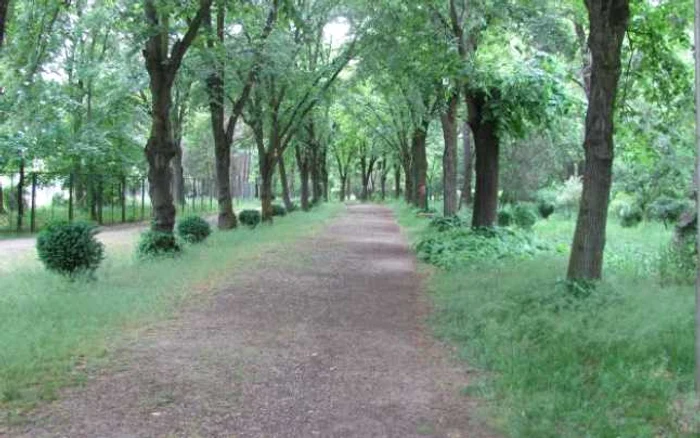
(30, 201)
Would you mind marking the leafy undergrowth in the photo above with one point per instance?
(51, 330)
(616, 361)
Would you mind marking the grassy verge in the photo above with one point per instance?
(617, 363)
(51, 329)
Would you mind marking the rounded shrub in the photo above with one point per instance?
(630, 216)
(249, 217)
(505, 217)
(278, 210)
(524, 216)
(156, 243)
(545, 208)
(70, 248)
(193, 229)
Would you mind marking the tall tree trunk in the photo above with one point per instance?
(316, 189)
(4, 4)
(608, 24)
(487, 145)
(449, 157)
(420, 168)
(179, 176)
(20, 195)
(466, 198)
(303, 164)
(343, 183)
(408, 182)
(162, 68)
(397, 181)
(222, 146)
(285, 184)
(267, 170)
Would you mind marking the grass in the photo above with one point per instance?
(617, 363)
(51, 330)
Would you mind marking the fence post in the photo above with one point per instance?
(32, 223)
(122, 192)
(20, 198)
(143, 199)
(71, 181)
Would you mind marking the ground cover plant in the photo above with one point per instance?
(560, 361)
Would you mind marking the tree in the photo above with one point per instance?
(162, 65)
(608, 24)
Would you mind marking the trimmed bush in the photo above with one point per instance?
(156, 244)
(524, 216)
(278, 210)
(249, 217)
(70, 249)
(545, 208)
(505, 217)
(630, 216)
(193, 229)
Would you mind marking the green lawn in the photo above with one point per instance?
(618, 363)
(51, 329)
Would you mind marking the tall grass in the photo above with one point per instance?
(617, 363)
(51, 328)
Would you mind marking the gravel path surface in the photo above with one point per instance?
(325, 338)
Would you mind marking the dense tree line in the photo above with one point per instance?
(471, 103)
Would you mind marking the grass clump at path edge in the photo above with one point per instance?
(617, 362)
(51, 330)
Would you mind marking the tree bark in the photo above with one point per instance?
(179, 176)
(420, 168)
(449, 157)
(466, 198)
(286, 198)
(608, 24)
(303, 164)
(408, 182)
(267, 166)
(397, 181)
(4, 4)
(162, 66)
(487, 144)
(343, 183)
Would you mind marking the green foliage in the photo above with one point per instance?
(250, 217)
(157, 244)
(569, 195)
(70, 249)
(193, 229)
(505, 216)
(525, 216)
(545, 208)
(630, 215)
(667, 209)
(460, 247)
(441, 223)
(278, 210)
(678, 261)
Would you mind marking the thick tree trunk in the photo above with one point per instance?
(286, 198)
(487, 145)
(449, 157)
(608, 24)
(397, 181)
(222, 145)
(466, 198)
(316, 183)
(420, 168)
(20, 196)
(343, 183)
(303, 164)
(267, 166)
(178, 176)
(3, 20)
(408, 182)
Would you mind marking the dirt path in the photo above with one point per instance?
(325, 339)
